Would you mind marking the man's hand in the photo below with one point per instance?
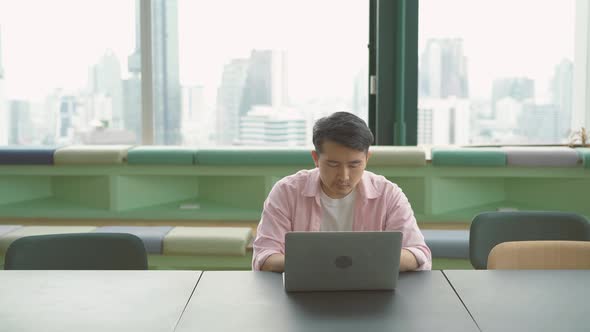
(274, 263)
(407, 261)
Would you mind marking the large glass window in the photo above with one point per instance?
(495, 72)
(69, 72)
(259, 72)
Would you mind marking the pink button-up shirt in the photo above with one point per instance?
(294, 205)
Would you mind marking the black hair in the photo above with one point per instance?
(343, 128)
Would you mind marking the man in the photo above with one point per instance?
(338, 195)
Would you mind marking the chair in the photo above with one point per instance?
(492, 228)
(78, 251)
(540, 255)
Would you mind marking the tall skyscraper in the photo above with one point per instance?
(444, 121)
(65, 120)
(132, 105)
(167, 112)
(266, 81)
(1, 68)
(443, 69)
(104, 80)
(229, 97)
(360, 94)
(562, 87)
(3, 106)
(21, 127)
(260, 80)
(517, 88)
(539, 123)
(198, 122)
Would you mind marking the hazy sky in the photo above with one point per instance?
(58, 40)
(49, 44)
(503, 37)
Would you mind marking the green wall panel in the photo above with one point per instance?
(22, 188)
(450, 194)
(90, 191)
(132, 192)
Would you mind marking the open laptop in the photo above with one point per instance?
(336, 261)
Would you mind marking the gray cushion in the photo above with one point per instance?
(5, 229)
(447, 243)
(152, 236)
(542, 156)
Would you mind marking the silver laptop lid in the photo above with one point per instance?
(331, 261)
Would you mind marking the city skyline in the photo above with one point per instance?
(109, 96)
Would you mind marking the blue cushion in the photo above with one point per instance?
(447, 243)
(21, 155)
(152, 236)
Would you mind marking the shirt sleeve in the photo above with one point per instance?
(274, 224)
(400, 217)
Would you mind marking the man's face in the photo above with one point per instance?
(341, 168)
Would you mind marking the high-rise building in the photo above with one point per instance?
(20, 126)
(266, 80)
(260, 80)
(539, 123)
(1, 68)
(104, 79)
(444, 121)
(132, 105)
(229, 96)
(360, 94)
(167, 112)
(65, 120)
(562, 87)
(443, 69)
(3, 106)
(197, 121)
(267, 126)
(518, 88)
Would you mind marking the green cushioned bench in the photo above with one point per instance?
(161, 155)
(584, 154)
(481, 157)
(254, 156)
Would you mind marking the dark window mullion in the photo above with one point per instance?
(397, 71)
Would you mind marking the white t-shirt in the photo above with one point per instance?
(337, 213)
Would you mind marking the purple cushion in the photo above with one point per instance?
(18, 155)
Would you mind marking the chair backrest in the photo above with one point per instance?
(492, 228)
(78, 251)
(540, 255)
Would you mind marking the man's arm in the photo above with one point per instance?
(270, 235)
(407, 261)
(415, 253)
(274, 263)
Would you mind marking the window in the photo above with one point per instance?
(260, 72)
(65, 77)
(496, 72)
(225, 72)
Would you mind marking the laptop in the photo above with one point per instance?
(337, 261)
